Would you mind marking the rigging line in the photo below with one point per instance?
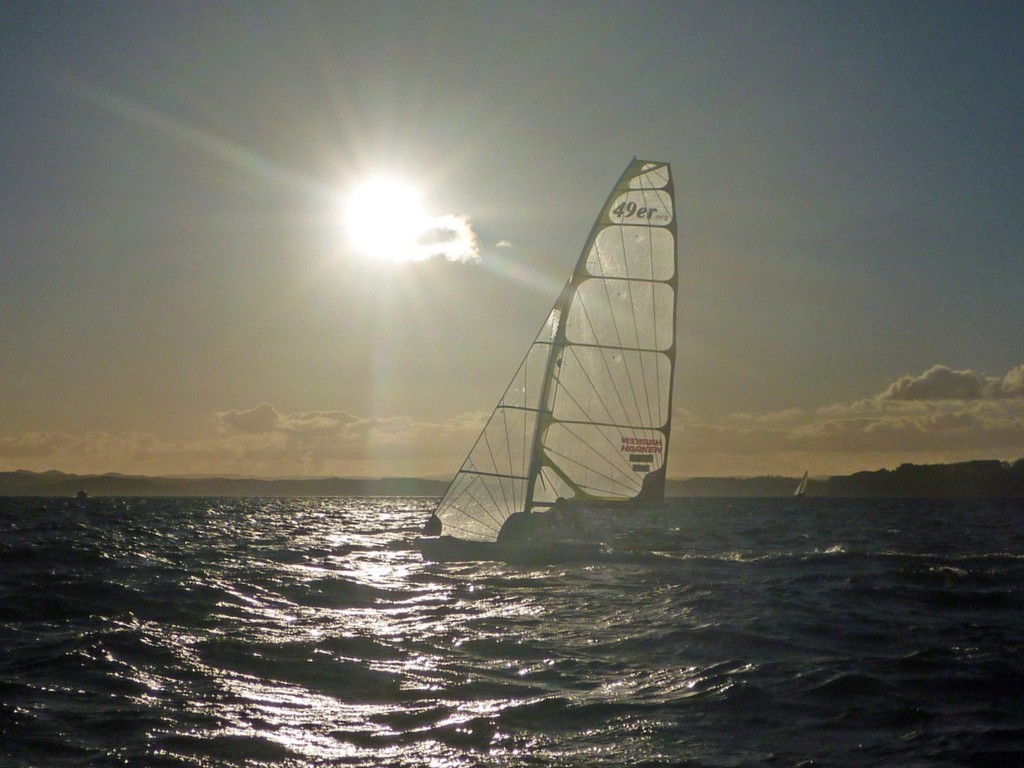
(649, 294)
(488, 453)
(468, 493)
(643, 365)
(522, 379)
(614, 321)
(645, 379)
(620, 231)
(629, 425)
(576, 434)
(618, 472)
(525, 437)
(547, 391)
(668, 284)
(615, 466)
(503, 503)
(521, 376)
(503, 406)
(590, 486)
(573, 428)
(610, 490)
(451, 491)
(613, 482)
(633, 288)
(604, 360)
(653, 294)
(487, 525)
(630, 289)
(474, 533)
(657, 175)
(505, 426)
(546, 488)
(607, 440)
(468, 461)
(492, 522)
(463, 510)
(508, 444)
(595, 391)
(650, 377)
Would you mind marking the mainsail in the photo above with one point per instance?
(587, 415)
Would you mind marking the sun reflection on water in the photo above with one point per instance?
(329, 639)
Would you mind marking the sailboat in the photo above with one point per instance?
(801, 488)
(586, 419)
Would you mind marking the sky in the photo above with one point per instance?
(183, 289)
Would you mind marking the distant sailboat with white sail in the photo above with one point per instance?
(801, 488)
(586, 419)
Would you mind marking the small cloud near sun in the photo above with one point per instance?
(449, 236)
(503, 244)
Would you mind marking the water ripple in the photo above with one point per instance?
(308, 632)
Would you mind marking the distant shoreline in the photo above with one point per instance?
(971, 479)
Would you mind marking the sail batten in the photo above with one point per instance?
(493, 474)
(587, 415)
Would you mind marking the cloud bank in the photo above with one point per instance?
(942, 383)
(260, 442)
(941, 415)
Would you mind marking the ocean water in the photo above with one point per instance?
(309, 632)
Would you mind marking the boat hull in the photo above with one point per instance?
(446, 549)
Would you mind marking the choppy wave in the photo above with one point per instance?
(308, 632)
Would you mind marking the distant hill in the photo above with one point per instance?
(969, 479)
(773, 485)
(24, 483)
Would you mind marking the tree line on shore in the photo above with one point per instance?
(970, 479)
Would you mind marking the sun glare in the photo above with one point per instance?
(385, 218)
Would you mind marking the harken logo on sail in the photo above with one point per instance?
(641, 451)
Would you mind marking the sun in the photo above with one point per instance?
(384, 219)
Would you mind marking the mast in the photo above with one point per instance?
(543, 408)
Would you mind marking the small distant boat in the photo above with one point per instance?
(585, 421)
(801, 488)
(82, 495)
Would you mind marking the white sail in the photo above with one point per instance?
(588, 413)
(801, 489)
